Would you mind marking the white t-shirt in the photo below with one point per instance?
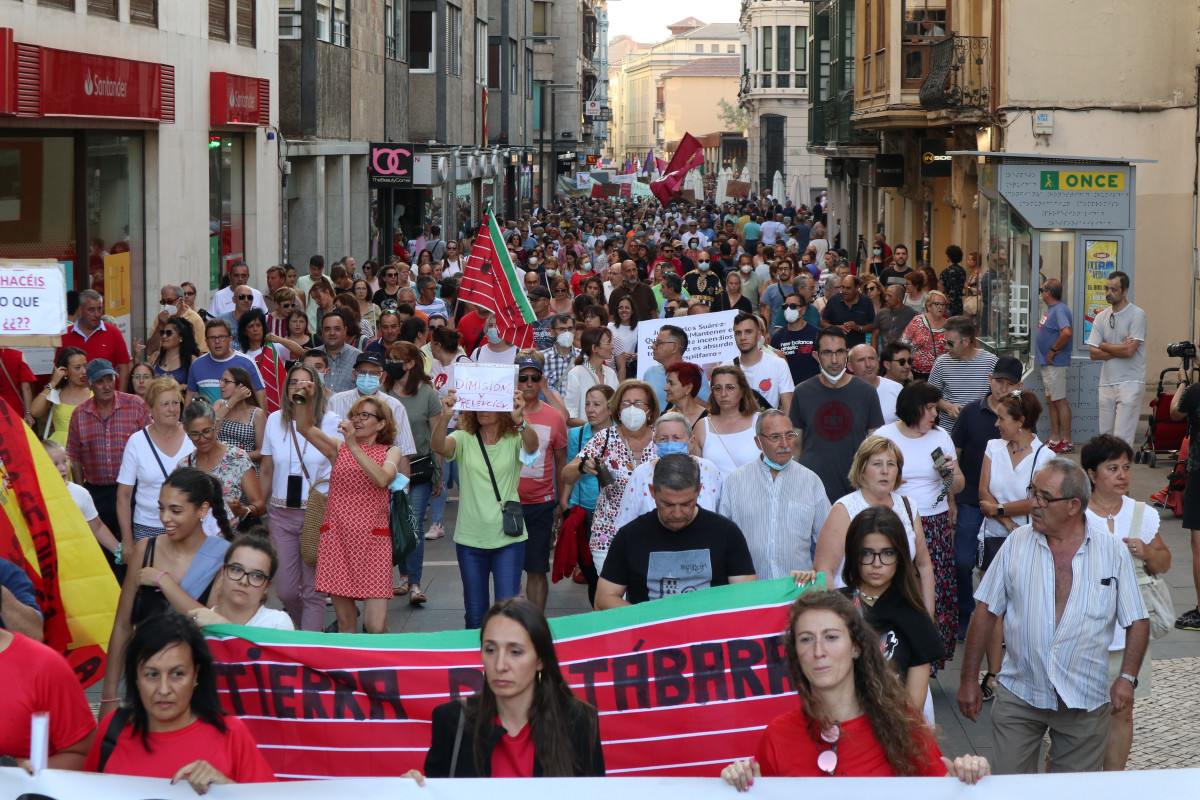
(1131, 321)
(770, 377)
(140, 468)
(1009, 484)
(271, 618)
(627, 335)
(83, 499)
(888, 391)
(277, 443)
(922, 484)
(1122, 523)
(485, 355)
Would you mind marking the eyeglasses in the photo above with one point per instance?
(661, 342)
(226, 381)
(528, 378)
(189, 294)
(1112, 321)
(245, 297)
(643, 405)
(1042, 500)
(235, 572)
(287, 305)
(363, 416)
(216, 338)
(168, 332)
(827, 761)
(886, 557)
(904, 362)
(196, 436)
(937, 305)
(776, 438)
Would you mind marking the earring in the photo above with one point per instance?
(539, 676)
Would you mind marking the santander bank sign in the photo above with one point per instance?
(237, 99)
(103, 86)
(84, 85)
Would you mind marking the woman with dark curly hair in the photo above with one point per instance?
(525, 722)
(854, 719)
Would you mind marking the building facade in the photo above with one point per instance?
(135, 172)
(774, 91)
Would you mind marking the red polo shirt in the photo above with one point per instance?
(107, 342)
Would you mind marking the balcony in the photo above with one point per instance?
(958, 76)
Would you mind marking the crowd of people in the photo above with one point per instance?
(253, 449)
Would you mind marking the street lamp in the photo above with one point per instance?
(555, 89)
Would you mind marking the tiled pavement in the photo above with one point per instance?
(1166, 725)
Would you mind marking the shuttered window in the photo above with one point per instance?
(245, 22)
(102, 8)
(68, 5)
(144, 12)
(218, 20)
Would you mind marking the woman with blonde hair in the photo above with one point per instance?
(927, 333)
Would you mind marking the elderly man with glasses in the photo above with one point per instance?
(1060, 587)
(173, 302)
(223, 301)
(669, 346)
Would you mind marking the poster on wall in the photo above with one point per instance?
(117, 290)
(1100, 261)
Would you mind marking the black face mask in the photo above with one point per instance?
(395, 369)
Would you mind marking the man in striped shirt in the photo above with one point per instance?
(961, 372)
(1055, 667)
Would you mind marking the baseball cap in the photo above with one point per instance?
(539, 291)
(97, 368)
(1008, 368)
(370, 357)
(529, 362)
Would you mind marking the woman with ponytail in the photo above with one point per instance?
(178, 568)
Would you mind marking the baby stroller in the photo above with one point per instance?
(1172, 496)
(1163, 435)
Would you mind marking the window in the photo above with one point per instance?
(529, 72)
(767, 48)
(420, 41)
(483, 71)
(102, 8)
(453, 41)
(68, 5)
(493, 69)
(218, 20)
(245, 22)
(514, 67)
(144, 12)
(289, 19)
(801, 42)
(332, 23)
(784, 57)
(541, 18)
(730, 48)
(393, 23)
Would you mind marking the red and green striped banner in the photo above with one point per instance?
(683, 685)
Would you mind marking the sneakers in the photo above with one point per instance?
(1063, 447)
(1189, 620)
(436, 531)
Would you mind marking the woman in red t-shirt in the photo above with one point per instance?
(855, 718)
(171, 725)
(525, 722)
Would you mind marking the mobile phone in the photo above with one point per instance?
(295, 491)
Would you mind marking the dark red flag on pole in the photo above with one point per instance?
(688, 156)
(490, 281)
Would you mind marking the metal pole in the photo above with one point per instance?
(541, 149)
(553, 144)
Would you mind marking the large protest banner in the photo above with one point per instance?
(683, 685)
(710, 338)
(62, 785)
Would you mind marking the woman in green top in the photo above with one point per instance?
(407, 382)
(505, 441)
(68, 387)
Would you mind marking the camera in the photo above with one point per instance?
(1184, 350)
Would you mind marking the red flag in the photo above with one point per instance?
(688, 156)
(490, 281)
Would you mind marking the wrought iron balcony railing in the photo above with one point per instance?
(959, 76)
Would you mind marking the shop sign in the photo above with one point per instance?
(390, 164)
(1049, 197)
(82, 85)
(238, 100)
(1100, 261)
(889, 170)
(1107, 181)
(934, 161)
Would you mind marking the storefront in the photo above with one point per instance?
(236, 103)
(72, 164)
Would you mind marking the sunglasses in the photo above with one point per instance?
(189, 294)
(245, 297)
(904, 362)
(828, 760)
(528, 378)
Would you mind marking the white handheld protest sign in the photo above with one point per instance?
(710, 338)
(484, 387)
(33, 300)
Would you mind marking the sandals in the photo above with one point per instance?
(416, 597)
(400, 590)
(986, 687)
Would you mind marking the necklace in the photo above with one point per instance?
(1111, 517)
(1022, 448)
(869, 599)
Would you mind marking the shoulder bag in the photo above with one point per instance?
(511, 512)
(1155, 593)
(314, 511)
(403, 523)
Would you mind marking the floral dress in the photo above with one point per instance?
(609, 448)
(927, 343)
(230, 470)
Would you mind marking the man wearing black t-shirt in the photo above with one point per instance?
(797, 340)
(677, 548)
(894, 276)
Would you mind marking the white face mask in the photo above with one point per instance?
(550, 273)
(746, 268)
(565, 339)
(493, 335)
(833, 378)
(533, 262)
(791, 314)
(633, 418)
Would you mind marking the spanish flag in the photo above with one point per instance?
(43, 532)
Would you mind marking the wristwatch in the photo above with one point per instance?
(1131, 678)
(524, 424)
(999, 511)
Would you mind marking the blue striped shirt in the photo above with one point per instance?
(1069, 659)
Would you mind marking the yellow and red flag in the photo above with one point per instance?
(43, 532)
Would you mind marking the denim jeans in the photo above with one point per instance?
(437, 506)
(475, 564)
(418, 496)
(966, 556)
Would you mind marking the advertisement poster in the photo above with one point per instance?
(1100, 256)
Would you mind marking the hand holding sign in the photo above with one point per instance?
(484, 387)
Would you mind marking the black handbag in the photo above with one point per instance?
(511, 512)
(421, 469)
